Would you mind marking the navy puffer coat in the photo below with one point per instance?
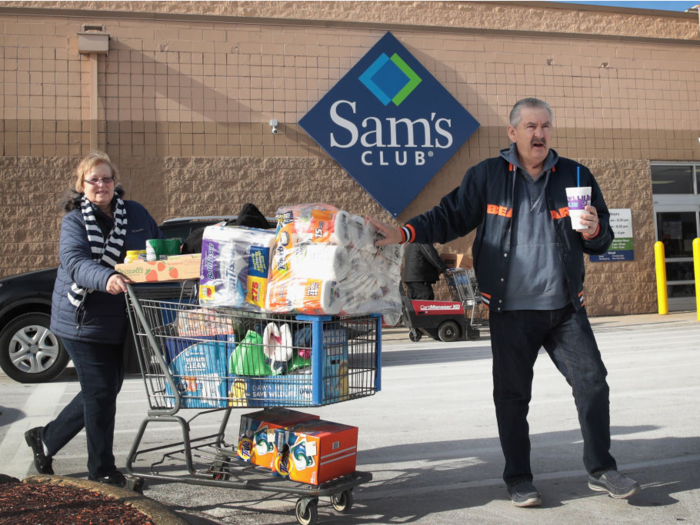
(103, 318)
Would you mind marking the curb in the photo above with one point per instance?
(157, 512)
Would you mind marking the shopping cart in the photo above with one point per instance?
(464, 288)
(218, 359)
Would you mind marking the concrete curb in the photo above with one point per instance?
(157, 512)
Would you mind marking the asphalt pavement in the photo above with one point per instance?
(429, 436)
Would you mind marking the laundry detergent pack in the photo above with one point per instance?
(256, 438)
(316, 451)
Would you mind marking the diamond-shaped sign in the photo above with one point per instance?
(389, 124)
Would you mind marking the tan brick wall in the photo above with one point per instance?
(544, 17)
(184, 103)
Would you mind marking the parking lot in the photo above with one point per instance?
(429, 437)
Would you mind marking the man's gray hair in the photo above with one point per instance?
(527, 103)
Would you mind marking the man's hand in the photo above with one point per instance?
(392, 235)
(116, 284)
(590, 219)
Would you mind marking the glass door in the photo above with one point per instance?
(676, 229)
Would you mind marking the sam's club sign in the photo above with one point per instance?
(389, 124)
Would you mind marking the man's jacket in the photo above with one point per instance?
(485, 200)
(422, 264)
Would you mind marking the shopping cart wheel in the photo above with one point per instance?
(307, 511)
(448, 332)
(218, 471)
(135, 484)
(473, 333)
(414, 335)
(342, 502)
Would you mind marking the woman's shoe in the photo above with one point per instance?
(42, 463)
(115, 478)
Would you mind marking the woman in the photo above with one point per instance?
(88, 312)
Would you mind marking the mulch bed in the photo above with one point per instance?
(45, 504)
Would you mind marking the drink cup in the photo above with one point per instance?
(578, 199)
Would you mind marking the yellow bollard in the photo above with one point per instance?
(696, 263)
(661, 291)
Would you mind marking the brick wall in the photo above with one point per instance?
(184, 100)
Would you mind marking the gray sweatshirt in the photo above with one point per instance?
(536, 278)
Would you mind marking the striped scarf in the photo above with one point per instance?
(108, 252)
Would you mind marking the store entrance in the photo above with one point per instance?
(677, 229)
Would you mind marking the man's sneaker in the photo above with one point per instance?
(115, 478)
(42, 462)
(524, 494)
(614, 483)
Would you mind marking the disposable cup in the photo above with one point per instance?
(578, 199)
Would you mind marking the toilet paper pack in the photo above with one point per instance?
(325, 262)
(235, 266)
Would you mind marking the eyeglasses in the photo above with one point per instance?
(105, 180)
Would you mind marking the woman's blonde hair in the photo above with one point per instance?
(89, 162)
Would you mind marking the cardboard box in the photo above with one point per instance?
(316, 451)
(174, 268)
(457, 260)
(256, 438)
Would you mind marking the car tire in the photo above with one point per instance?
(29, 351)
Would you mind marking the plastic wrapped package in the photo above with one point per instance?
(235, 266)
(325, 262)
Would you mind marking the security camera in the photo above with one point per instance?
(273, 125)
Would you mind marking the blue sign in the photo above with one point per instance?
(389, 124)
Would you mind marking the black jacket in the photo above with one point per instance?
(484, 201)
(422, 264)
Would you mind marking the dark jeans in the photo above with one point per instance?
(516, 338)
(420, 291)
(101, 373)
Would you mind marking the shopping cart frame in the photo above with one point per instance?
(464, 288)
(224, 468)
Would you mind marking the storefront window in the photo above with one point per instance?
(672, 179)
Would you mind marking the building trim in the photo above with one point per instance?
(349, 24)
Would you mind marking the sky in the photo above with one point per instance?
(662, 6)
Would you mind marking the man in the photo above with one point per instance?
(529, 263)
(422, 269)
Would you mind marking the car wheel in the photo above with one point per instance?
(29, 351)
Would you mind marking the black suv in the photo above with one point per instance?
(29, 352)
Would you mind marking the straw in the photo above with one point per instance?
(578, 176)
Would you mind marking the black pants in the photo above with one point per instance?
(516, 338)
(420, 291)
(101, 373)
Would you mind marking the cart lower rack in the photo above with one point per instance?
(215, 360)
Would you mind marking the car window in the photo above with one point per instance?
(182, 229)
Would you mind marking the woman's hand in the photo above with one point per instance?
(116, 284)
(392, 235)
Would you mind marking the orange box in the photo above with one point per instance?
(256, 438)
(316, 451)
(457, 260)
(174, 268)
